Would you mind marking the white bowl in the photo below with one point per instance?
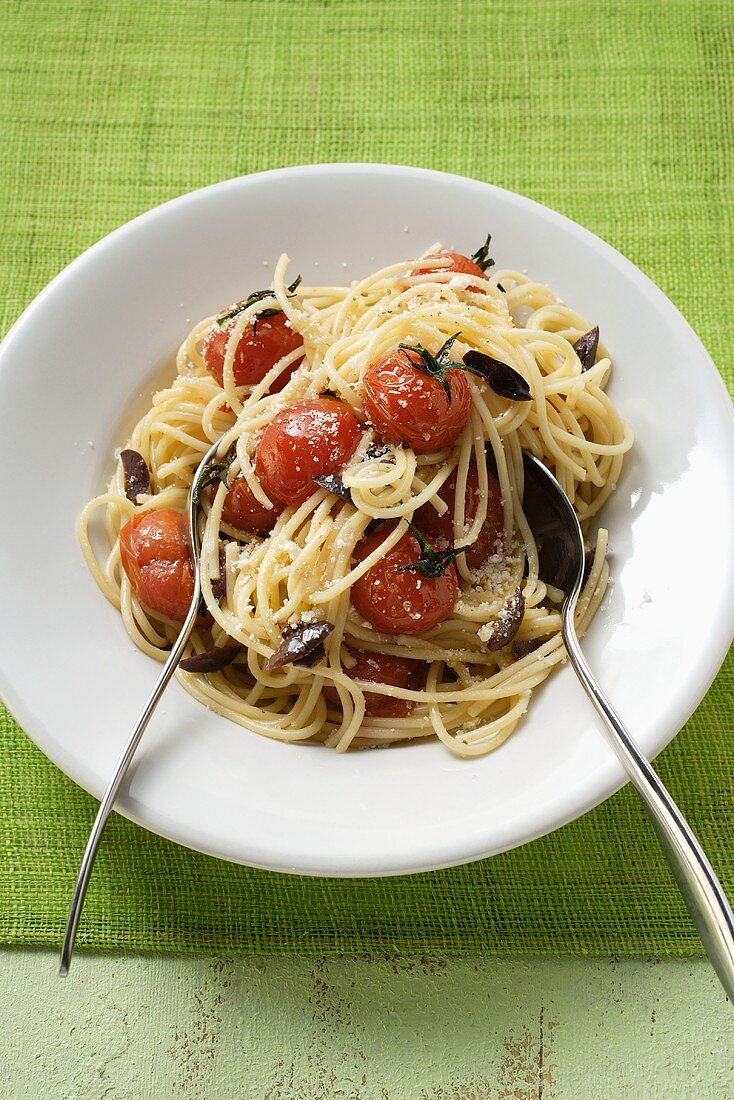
(101, 332)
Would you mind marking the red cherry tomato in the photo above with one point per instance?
(242, 510)
(156, 555)
(380, 668)
(256, 352)
(440, 529)
(409, 406)
(402, 602)
(284, 377)
(303, 441)
(460, 265)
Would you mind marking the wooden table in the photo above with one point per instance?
(129, 1027)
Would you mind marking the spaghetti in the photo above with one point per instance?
(397, 596)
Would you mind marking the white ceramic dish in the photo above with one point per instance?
(92, 343)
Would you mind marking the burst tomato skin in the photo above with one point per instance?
(380, 668)
(242, 510)
(156, 555)
(407, 405)
(460, 265)
(401, 602)
(440, 529)
(256, 352)
(303, 441)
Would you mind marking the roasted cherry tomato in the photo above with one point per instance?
(256, 352)
(440, 529)
(380, 668)
(460, 265)
(407, 405)
(242, 510)
(156, 555)
(303, 441)
(402, 602)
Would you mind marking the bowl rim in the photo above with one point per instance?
(597, 788)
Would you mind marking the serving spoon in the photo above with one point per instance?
(551, 517)
(126, 756)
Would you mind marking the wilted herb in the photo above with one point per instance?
(334, 484)
(215, 472)
(137, 474)
(431, 562)
(503, 379)
(586, 347)
(219, 584)
(436, 365)
(523, 646)
(258, 296)
(211, 660)
(379, 451)
(259, 317)
(508, 621)
(301, 643)
(481, 257)
(250, 300)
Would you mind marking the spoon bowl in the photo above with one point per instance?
(561, 543)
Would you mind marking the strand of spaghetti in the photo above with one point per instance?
(472, 698)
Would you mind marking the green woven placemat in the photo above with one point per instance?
(617, 114)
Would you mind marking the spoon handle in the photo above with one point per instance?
(701, 890)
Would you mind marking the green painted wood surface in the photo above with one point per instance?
(617, 114)
(410, 1028)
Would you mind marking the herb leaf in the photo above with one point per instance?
(301, 643)
(379, 450)
(258, 296)
(137, 474)
(523, 646)
(334, 484)
(219, 584)
(211, 660)
(436, 365)
(482, 257)
(508, 621)
(586, 347)
(503, 379)
(263, 313)
(431, 562)
(215, 472)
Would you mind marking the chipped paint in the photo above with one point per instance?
(475, 1088)
(527, 1070)
(397, 1028)
(195, 1042)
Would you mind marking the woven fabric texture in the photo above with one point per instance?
(620, 116)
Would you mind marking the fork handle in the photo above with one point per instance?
(125, 759)
(113, 787)
(702, 892)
